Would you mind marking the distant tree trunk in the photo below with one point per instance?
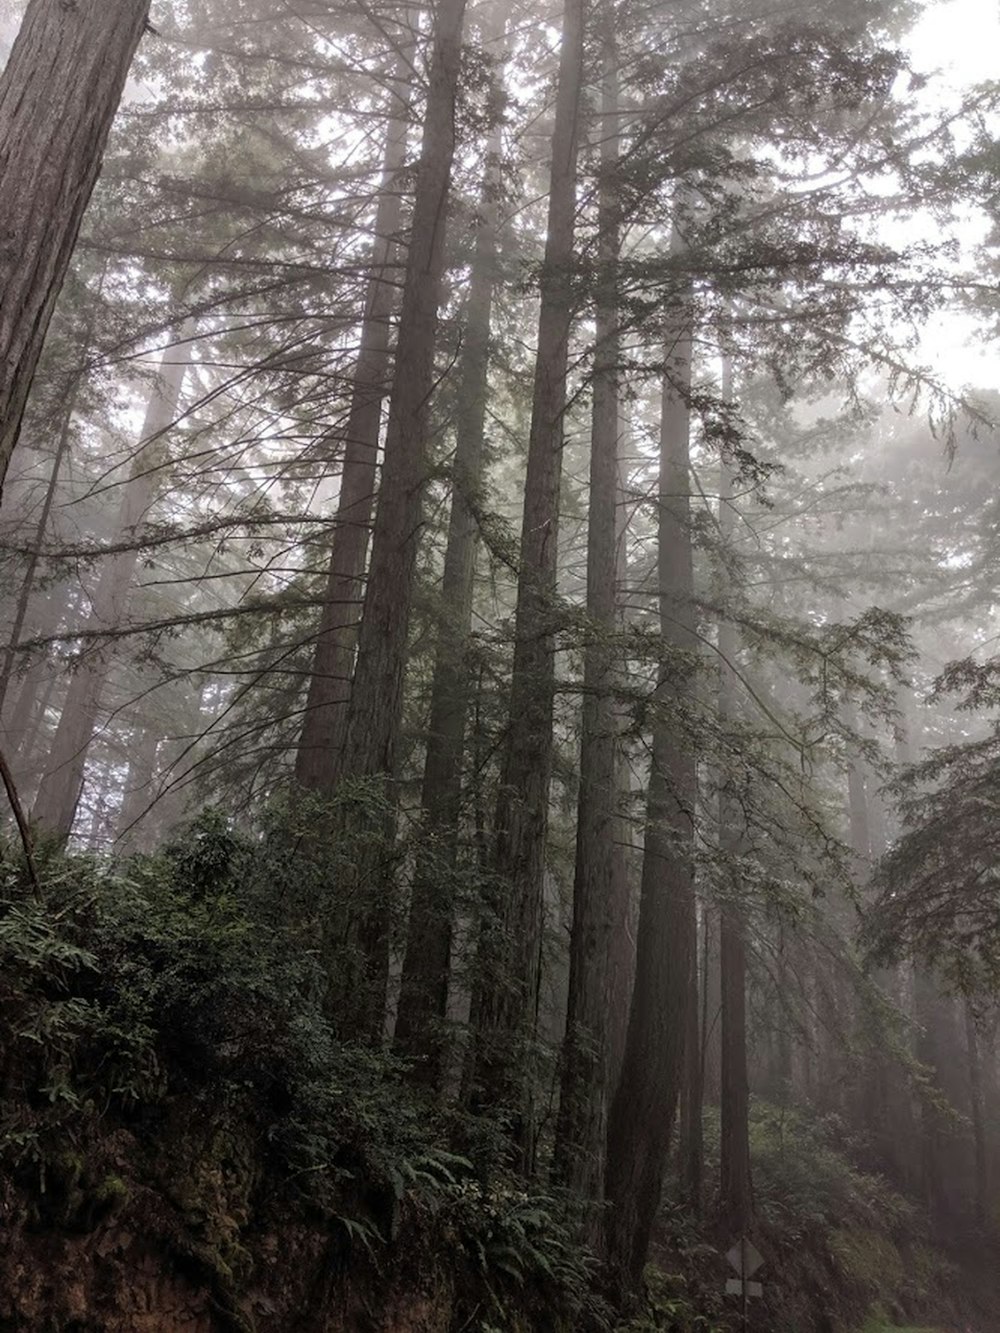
(377, 694)
(59, 792)
(927, 1011)
(976, 1106)
(138, 786)
(735, 1186)
(623, 960)
(600, 885)
(783, 1073)
(58, 96)
(692, 1135)
(423, 994)
(324, 726)
(645, 1101)
(31, 569)
(859, 824)
(508, 990)
(711, 1009)
(27, 712)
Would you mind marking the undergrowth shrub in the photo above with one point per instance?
(187, 987)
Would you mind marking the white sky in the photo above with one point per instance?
(958, 41)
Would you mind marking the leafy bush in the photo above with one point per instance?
(181, 997)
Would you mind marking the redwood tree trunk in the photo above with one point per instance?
(423, 995)
(324, 725)
(645, 1101)
(600, 902)
(377, 694)
(58, 96)
(506, 1005)
(59, 791)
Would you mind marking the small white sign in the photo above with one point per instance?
(734, 1287)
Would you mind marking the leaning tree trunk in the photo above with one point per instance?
(508, 989)
(34, 559)
(324, 726)
(377, 694)
(600, 888)
(31, 699)
(645, 1101)
(58, 96)
(423, 992)
(59, 791)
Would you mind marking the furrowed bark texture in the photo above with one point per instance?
(600, 889)
(325, 723)
(423, 994)
(645, 1101)
(377, 692)
(506, 1006)
(58, 96)
(60, 788)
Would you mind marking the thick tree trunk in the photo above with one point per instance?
(600, 887)
(508, 989)
(59, 791)
(645, 1101)
(423, 994)
(58, 96)
(324, 726)
(377, 694)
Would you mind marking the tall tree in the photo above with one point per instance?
(377, 693)
(423, 991)
(600, 886)
(317, 759)
(735, 1188)
(508, 990)
(59, 791)
(58, 96)
(645, 1102)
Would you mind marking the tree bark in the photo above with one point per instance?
(377, 693)
(58, 96)
(645, 1101)
(506, 1005)
(423, 995)
(324, 726)
(600, 888)
(59, 791)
